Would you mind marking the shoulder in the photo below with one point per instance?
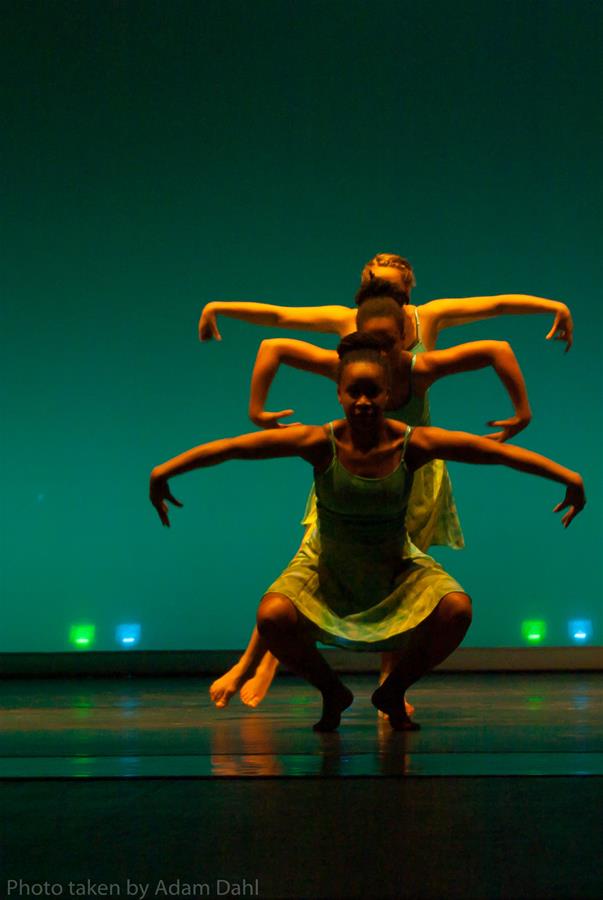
(346, 320)
(397, 428)
(429, 315)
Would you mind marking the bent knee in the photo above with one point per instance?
(458, 609)
(275, 612)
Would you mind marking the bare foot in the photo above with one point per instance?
(410, 710)
(223, 688)
(254, 690)
(333, 704)
(388, 664)
(394, 709)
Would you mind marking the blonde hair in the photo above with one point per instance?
(389, 261)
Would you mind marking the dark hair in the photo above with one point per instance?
(390, 261)
(357, 347)
(381, 308)
(381, 288)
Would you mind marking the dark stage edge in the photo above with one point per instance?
(471, 725)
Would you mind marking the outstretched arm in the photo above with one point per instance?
(271, 355)
(439, 314)
(431, 366)
(436, 443)
(337, 319)
(304, 441)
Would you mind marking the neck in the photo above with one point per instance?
(364, 439)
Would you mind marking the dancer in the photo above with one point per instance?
(424, 322)
(431, 516)
(356, 582)
(432, 500)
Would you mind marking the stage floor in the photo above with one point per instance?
(141, 785)
(471, 725)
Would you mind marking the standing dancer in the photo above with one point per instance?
(424, 323)
(356, 582)
(431, 516)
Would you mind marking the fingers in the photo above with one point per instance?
(208, 330)
(561, 505)
(172, 499)
(162, 513)
(499, 436)
(569, 516)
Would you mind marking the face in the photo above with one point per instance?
(363, 394)
(386, 328)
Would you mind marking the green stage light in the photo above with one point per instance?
(533, 631)
(82, 636)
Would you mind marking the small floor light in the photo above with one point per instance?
(127, 635)
(533, 631)
(580, 630)
(82, 635)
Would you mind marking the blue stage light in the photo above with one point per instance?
(580, 630)
(127, 635)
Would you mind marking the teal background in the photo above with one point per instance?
(158, 155)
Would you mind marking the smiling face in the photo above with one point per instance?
(363, 393)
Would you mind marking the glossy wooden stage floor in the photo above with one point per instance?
(472, 724)
(499, 795)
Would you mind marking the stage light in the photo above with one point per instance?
(127, 635)
(580, 630)
(82, 635)
(533, 631)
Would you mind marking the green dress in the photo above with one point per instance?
(357, 576)
(432, 517)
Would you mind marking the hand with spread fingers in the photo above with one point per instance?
(510, 427)
(575, 499)
(563, 328)
(267, 419)
(159, 493)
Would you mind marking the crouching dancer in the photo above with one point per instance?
(357, 582)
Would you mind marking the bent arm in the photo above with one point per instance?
(271, 354)
(447, 313)
(257, 445)
(330, 319)
(431, 366)
(458, 446)
(302, 441)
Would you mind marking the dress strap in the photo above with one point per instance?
(405, 442)
(332, 439)
(418, 324)
(411, 372)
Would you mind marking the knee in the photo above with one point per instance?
(457, 609)
(276, 613)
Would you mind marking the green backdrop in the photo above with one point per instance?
(157, 155)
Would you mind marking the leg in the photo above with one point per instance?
(290, 637)
(256, 687)
(430, 643)
(389, 661)
(223, 688)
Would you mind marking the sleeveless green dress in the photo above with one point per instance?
(432, 516)
(357, 576)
